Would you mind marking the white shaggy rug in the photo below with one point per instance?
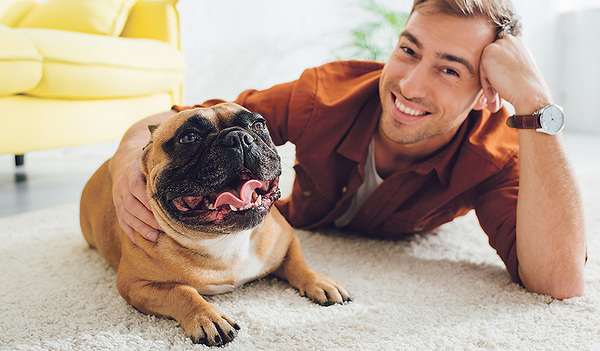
(444, 290)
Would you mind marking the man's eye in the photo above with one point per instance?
(451, 72)
(408, 50)
(189, 137)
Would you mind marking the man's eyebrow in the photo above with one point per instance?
(442, 56)
(411, 38)
(457, 59)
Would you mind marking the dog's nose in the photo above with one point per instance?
(237, 138)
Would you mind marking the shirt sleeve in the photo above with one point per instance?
(496, 209)
(287, 107)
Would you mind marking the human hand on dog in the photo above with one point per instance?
(130, 197)
(128, 185)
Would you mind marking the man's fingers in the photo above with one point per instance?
(137, 186)
(128, 230)
(493, 99)
(140, 218)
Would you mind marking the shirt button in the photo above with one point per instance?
(306, 193)
(344, 189)
(418, 229)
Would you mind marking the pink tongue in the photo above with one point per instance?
(246, 191)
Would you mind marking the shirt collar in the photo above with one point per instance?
(360, 133)
(442, 162)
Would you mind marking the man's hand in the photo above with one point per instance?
(508, 71)
(130, 197)
(128, 184)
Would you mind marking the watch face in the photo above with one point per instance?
(552, 119)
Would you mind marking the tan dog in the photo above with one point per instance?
(212, 177)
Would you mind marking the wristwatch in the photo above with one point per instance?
(549, 120)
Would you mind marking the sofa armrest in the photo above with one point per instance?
(154, 19)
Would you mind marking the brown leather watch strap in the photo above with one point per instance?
(524, 121)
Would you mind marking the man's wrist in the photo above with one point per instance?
(532, 106)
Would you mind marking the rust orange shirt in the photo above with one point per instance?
(330, 113)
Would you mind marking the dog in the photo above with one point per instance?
(212, 177)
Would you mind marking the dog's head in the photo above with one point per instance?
(211, 171)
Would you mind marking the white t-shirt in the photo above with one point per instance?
(372, 181)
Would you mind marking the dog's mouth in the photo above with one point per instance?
(246, 194)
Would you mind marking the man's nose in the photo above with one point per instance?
(415, 84)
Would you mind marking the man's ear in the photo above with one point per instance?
(481, 102)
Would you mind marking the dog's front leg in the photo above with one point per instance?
(201, 321)
(319, 288)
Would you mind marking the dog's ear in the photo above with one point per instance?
(147, 150)
(153, 127)
(147, 162)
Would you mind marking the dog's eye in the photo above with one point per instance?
(189, 137)
(259, 125)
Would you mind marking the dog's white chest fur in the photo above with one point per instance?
(239, 249)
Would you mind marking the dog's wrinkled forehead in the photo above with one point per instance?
(220, 116)
(223, 115)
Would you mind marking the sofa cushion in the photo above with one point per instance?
(20, 62)
(84, 66)
(106, 17)
(13, 11)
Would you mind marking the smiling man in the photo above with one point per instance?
(405, 147)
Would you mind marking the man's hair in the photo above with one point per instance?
(500, 13)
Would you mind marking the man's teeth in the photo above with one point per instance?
(408, 110)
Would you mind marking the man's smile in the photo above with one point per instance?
(405, 113)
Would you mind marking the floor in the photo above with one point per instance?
(55, 177)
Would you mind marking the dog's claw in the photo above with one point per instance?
(212, 332)
(325, 291)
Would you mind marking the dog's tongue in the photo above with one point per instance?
(245, 198)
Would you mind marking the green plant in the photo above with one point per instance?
(376, 38)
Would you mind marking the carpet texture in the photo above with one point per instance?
(445, 290)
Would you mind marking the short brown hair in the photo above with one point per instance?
(500, 12)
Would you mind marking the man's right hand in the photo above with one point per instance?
(128, 184)
(130, 197)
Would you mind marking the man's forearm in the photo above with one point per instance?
(135, 138)
(139, 132)
(551, 244)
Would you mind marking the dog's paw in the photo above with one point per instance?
(212, 329)
(324, 291)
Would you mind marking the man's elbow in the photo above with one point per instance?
(564, 285)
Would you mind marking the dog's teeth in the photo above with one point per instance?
(258, 200)
(254, 195)
(233, 208)
(211, 206)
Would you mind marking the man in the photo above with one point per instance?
(405, 147)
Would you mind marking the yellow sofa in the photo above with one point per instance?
(76, 72)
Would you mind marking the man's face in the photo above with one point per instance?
(430, 82)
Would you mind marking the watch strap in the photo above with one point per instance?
(524, 121)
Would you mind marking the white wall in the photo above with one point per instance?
(234, 45)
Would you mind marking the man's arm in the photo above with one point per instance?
(551, 244)
(128, 184)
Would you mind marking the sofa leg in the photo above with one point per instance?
(19, 160)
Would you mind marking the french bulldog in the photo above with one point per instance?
(212, 177)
